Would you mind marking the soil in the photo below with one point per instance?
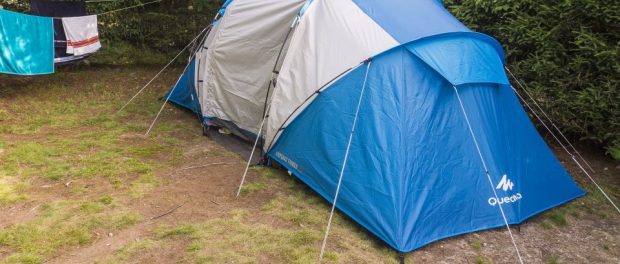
(208, 192)
(200, 194)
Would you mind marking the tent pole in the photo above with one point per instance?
(488, 174)
(566, 149)
(523, 87)
(274, 72)
(247, 167)
(344, 162)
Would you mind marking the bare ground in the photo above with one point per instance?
(588, 232)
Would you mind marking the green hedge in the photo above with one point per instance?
(156, 31)
(567, 51)
(164, 27)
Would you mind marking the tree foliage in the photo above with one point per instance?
(164, 27)
(566, 51)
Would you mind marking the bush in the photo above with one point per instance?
(165, 27)
(156, 29)
(568, 54)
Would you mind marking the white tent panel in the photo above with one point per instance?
(236, 67)
(335, 34)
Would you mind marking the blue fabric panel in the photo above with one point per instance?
(462, 58)
(414, 175)
(222, 10)
(408, 20)
(184, 93)
(26, 44)
(305, 7)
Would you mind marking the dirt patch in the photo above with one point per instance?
(196, 189)
(201, 188)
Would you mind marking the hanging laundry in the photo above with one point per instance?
(82, 34)
(57, 9)
(26, 44)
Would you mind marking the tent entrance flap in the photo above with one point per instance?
(238, 64)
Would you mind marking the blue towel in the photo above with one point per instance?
(26, 44)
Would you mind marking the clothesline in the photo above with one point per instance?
(101, 1)
(120, 9)
(129, 7)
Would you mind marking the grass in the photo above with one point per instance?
(482, 260)
(287, 229)
(131, 251)
(476, 245)
(122, 53)
(64, 128)
(63, 224)
(553, 260)
(61, 128)
(9, 191)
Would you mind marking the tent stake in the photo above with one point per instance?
(344, 163)
(401, 258)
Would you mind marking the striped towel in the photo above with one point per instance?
(82, 34)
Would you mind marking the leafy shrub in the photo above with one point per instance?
(568, 54)
(156, 29)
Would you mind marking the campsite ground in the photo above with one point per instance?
(80, 183)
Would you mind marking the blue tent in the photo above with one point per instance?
(436, 139)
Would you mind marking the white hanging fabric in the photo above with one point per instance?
(82, 34)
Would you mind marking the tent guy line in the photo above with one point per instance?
(487, 173)
(172, 91)
(564, 147)
(161, 71)
(524, 88)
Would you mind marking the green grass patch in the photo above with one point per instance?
(183, 230)
(123, 53)
(9, 191)
(553, 260)
(63, 224)
(476, 245)
(482, 260)
(131, 251)
(240, 242)
(144, 184)
(253, 187)
(147, 151)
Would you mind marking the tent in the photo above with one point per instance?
(395, 105)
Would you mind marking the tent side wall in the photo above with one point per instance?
(413, 174)
(184, 93)
(238, 63)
